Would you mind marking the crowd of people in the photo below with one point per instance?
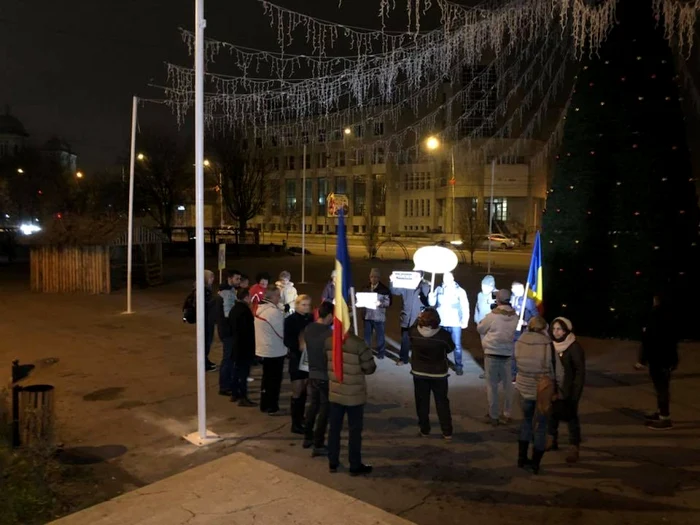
(270, 325)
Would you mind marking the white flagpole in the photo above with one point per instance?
(132, 166)
(201, 437)
(354, 310)
(522, 308)
(303, 219)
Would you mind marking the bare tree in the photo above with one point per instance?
(243, 172)
(163, 176)
(371, 237)
(472, 228)
(290, 215)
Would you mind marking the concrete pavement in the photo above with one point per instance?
(235, 490)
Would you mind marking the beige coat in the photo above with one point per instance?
(358, 362)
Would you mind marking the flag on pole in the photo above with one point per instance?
(343, 284)
(535, 288)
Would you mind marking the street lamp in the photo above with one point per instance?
(433, 143)
(20, 170)
(347, 131)
(79, 174)
(206, 163)
(141, 156)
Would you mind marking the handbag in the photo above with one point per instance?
(562, 409)
(546, 390)
(304, 361)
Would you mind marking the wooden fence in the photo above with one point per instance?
(61, 269)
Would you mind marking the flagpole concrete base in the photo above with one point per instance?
(198, 441)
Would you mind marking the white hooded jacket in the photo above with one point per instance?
(288, 294)
(452, 305)
(269, 331)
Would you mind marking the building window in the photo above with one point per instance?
(337, 134)
(322, 135)
(378, 156)
(276, 163)
(410, 208)
(440, 207)
(427, 208)
(322, 193)
(290, 194)
(428, 176)
(341, 185)
(322, 160)
(378, 195)
(290, 162)
(258, 142)
(360, 157)
(500, 209)
(405, 208)
(358, 192)
(307, 159)
(422, 181)
(378, 129)
(406, 177)
(422, 207)
(359, 131)
(305, 137)
(275, 197)
(340, 159)
(309, 201)
(288, 140)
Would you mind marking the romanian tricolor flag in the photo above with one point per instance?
(343, 285)
(535, 287)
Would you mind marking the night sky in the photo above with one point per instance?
(71, 72)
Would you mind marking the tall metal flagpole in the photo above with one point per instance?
(201, 437)
(493, 176)
(303, 219)
(130, 241)
(454, 183)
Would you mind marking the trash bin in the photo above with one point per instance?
(36, 415)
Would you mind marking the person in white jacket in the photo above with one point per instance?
(269, 345)
(288, 293)
(497, 332)
(453, 307)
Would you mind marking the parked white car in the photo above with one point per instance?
(498, 241)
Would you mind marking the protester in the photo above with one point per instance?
(497, 332)
(570, 372)
(315, 337)
(225, 300)
(659, 351)
(375, 319)
(294, 326)
(257, 292)
(453, 307)
(269, 345)
(534, 356)
(242, 326)
(210, 318)
(349, 397)
(485, 300)
(288, 293)
(430, 346)
(245, 282)
(413, 303)
(329, 290)
(519, 302)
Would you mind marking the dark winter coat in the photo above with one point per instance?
(358, 362)
(429, 349)
(293, 326)
(414, 301)
(242, 326)
(659, 345)
(573, 363)
(222, 324)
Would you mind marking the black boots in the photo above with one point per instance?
(536, 460)
(296, 409)
(523, 461)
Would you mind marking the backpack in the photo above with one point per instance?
(189, 308)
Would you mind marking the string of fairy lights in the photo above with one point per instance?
(289, 99)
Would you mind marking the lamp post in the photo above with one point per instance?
(130, 233)
(433, 143)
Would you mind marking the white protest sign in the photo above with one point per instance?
(405, 280)
(435, 259)
(367, 300)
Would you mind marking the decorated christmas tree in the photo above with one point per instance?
(621, 221)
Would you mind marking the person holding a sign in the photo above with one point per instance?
(375, 318)
(414, 300)
(294, 326)
(453, 306)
